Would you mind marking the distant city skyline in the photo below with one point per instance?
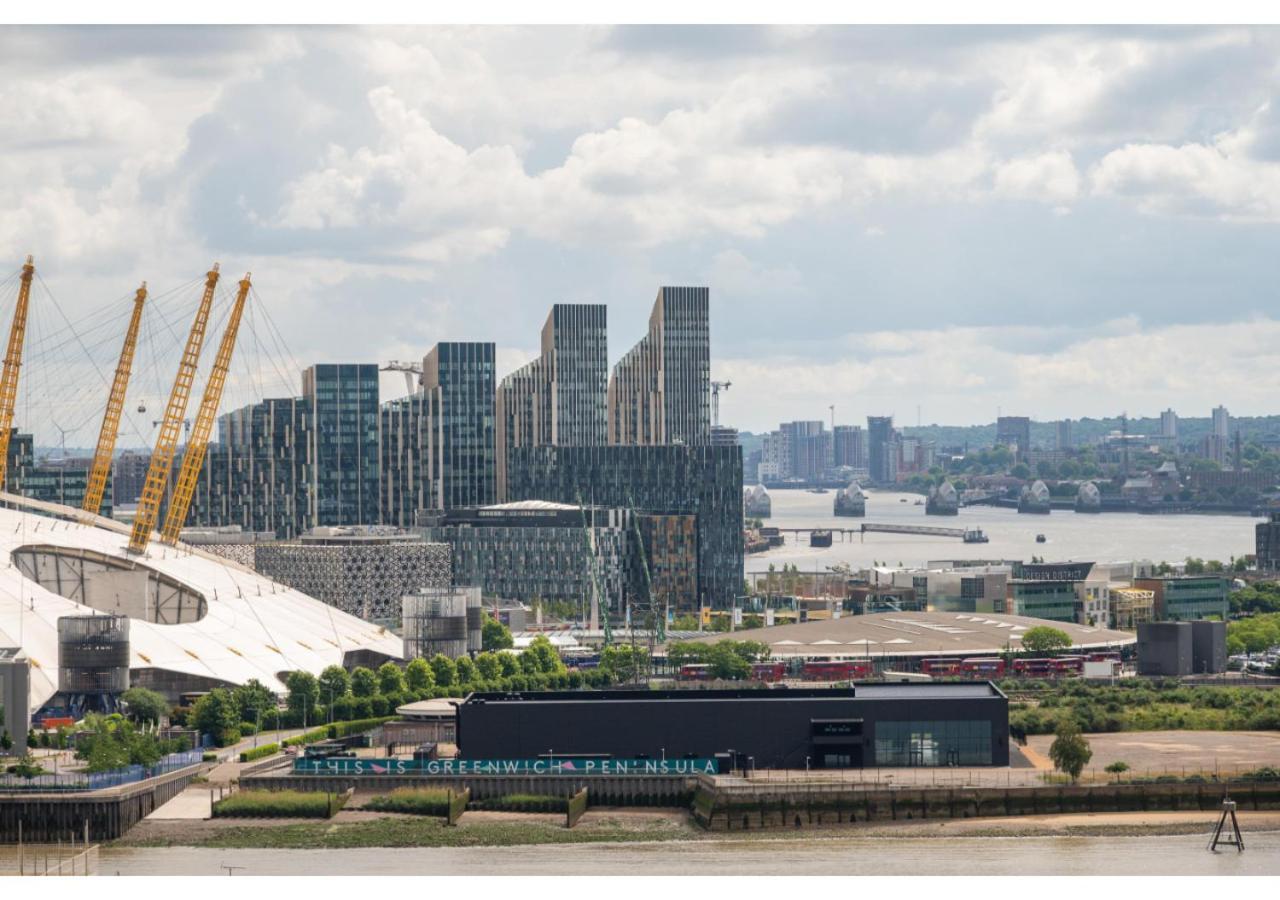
(1055, 222)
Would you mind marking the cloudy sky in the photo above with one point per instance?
(1059, 222)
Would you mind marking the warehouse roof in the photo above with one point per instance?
(915, 634)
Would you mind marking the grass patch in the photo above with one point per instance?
(279, 805)
(415, 801)
(425, 832)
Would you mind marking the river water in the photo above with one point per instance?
(1100, 537)
(1162, 855)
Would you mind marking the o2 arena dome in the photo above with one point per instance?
(195, 621)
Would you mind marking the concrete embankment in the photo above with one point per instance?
(720, 806)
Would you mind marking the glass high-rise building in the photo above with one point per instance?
(559, 399)
(458, 385)
(660, 391)
(881, 449)
(678, 480)
(341, 401)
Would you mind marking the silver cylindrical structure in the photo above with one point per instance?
(439, 620)
(93, 654)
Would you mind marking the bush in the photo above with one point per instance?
(248, 729)
(259, 752)
(523, 803)
(209, 757)
(415, 801)
(279, 805)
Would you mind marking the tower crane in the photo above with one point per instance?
(12, 363)
(716, 388)
(167, 442)
(198, 442)
(97, 483)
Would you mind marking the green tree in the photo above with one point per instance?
(727, 664)
(1070, 751)
(363, 682)
(508, 665)
(390, 679)
(624, 663)
(1043, 638)
(6, 741)
(488, 666)
(253, 701)
(1020, 471)
(304, 694)
(544, 656)
(215, 714)
(682, 653)
(145, 705)
(494, 635)
(445, 671)
(27, 767)
(32, 740)
(1117, 768)
(418, 676)
(334, 683)
(467, 673)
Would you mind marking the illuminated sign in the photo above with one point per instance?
(570, 767)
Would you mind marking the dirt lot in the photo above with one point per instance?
(1157, 752)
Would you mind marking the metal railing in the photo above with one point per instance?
(96, 781)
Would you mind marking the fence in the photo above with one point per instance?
(96, 781)
(68, 858)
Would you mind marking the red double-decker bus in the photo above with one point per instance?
(983, 667)
(1069, 665)
(836, 670)
(1041, 667)
(768, 671)
(941, 667)
(695, 672)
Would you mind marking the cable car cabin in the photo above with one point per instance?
(944, 667)
(768, 671)
(836, 670)
(983, 667)
(695, 672)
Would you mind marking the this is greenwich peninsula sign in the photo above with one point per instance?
(570, 767)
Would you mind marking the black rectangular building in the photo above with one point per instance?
(890, 725)
(1165, 649)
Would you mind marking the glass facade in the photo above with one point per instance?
(705, 482)
(943, 742)
(1054, 600)
(459, 388)
(52, 481)
(342, 401)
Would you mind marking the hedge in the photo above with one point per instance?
(336, 730)
(259, 752)
(523, 803)
(280, 805)
(416, 801)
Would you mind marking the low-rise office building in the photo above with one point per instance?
(1182, 598)
(943, 724)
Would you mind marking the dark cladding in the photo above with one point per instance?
(961, 724)
(705, 481)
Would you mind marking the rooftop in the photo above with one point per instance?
(914, 634)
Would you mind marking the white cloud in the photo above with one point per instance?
(961, 374)
(1050, 178)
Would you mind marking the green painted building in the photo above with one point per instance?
(1042, 599)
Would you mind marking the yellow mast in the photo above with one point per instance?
(12, 363)
(193, 458)
(170, 429)
(97, 485)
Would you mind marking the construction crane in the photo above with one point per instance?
(167, 443)
(716, 388)
(412, 373)
(198, 442)
(97, 484)
(12, 363)
(595, 583)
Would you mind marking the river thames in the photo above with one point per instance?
(1100, 537)
(1160, 855)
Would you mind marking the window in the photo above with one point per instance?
(933, 743)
